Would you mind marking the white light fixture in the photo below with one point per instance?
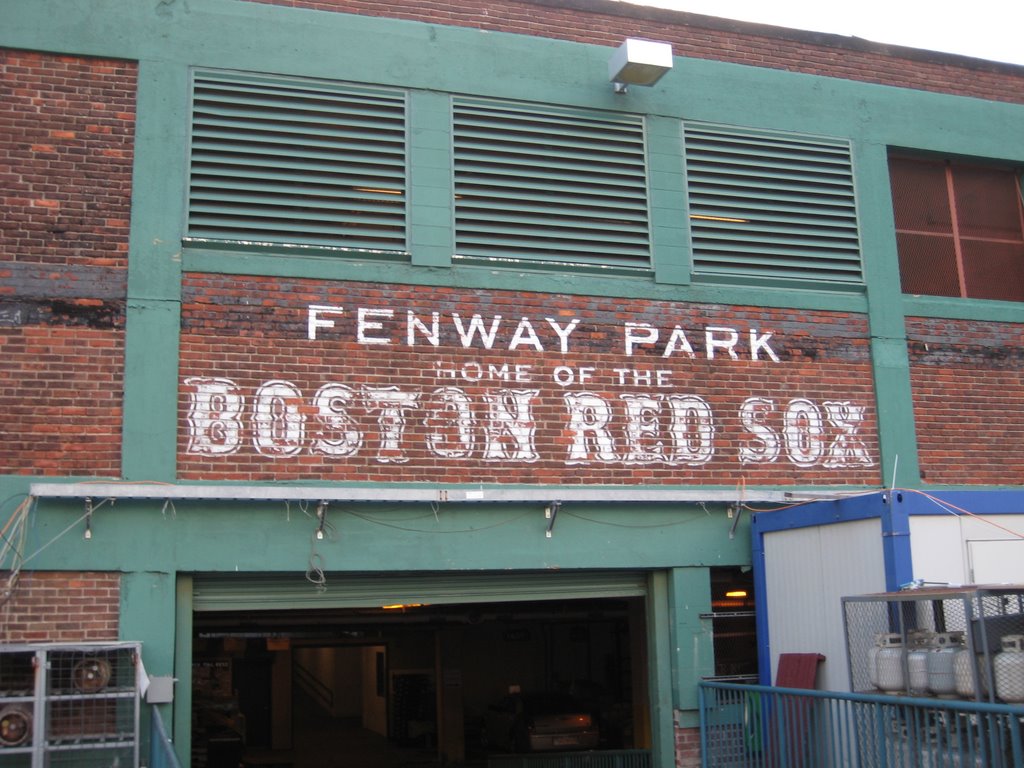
(638, 62)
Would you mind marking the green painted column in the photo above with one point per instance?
(894, 398)
(147, 612)
(663, 753)
(430, 179)
(693, 655)
(152, 316)
(181, 727)
(670, 249)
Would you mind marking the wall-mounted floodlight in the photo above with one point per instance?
(639, 62)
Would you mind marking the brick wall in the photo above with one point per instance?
(688, 747)
(60, 607)
(968, 386)
(529, 410)
(66, 132)
(605, 22)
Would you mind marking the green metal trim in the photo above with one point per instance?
(897, 434)
(659, 623)
(670, 236)
(963, 309)
(149, 431)
(692, 639)
(181, 727)
(431, 201)
(531, 277)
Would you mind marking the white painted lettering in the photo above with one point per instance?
(510, 418)
(476, 326)
(314, 321)
(563, 333)
(394, 406)
(692, 430)
(214, 416)
(278, 421)
(365, 324)
(759, 342)
(450, 424)
(413, 324)
(764, 445)
(847, 449)
(589, 416)
(639, 333)
(728, 343)
(803, 432)
(337, 434)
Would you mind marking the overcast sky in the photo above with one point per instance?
(986, 29)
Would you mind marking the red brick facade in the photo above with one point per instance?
(570, 371)
(66, 134)
(608, 23)
(968, 384)
(61, 608)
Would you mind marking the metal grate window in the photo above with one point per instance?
(301, 162)
(771, 205)
(959, 228)
(554, 185)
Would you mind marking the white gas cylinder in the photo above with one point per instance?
(873, 659)
(890, 664)
(941, 679)
(919, 646)
(1009, 669)
(965, 677)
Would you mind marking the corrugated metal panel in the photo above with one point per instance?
(808, 571)
(534, 182)
(220, 592)
(295, 161)
(771, 205)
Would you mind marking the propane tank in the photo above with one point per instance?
(15, 724)
(1009, 669)
(965, 676)
(890, 664)
(946, 645)
(873, 659)
(919, 647)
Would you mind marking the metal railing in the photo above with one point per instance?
(618, 758)
(161, 750)
(754, 726)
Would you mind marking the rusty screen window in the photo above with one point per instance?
(959, 228)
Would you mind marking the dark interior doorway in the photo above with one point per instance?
(406, 685)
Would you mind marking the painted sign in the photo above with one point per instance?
(486, 386)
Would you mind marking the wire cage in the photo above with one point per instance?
(69, 705)
(948, 642)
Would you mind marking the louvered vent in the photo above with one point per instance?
(552, 185)
(301, 162)
(771, 205)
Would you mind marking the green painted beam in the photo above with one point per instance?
(228, 537)
(897, 436)
(180, 727)
(659, 656)
(693, 655)
(153, 312)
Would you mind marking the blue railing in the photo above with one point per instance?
(161, 750)
(755, 726)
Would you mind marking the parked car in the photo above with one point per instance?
(540, 722)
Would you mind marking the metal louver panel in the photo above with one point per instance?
(213, 592)
(301, 162)
(771, 205)
(552, 185)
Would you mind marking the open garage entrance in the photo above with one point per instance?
(440, 674)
